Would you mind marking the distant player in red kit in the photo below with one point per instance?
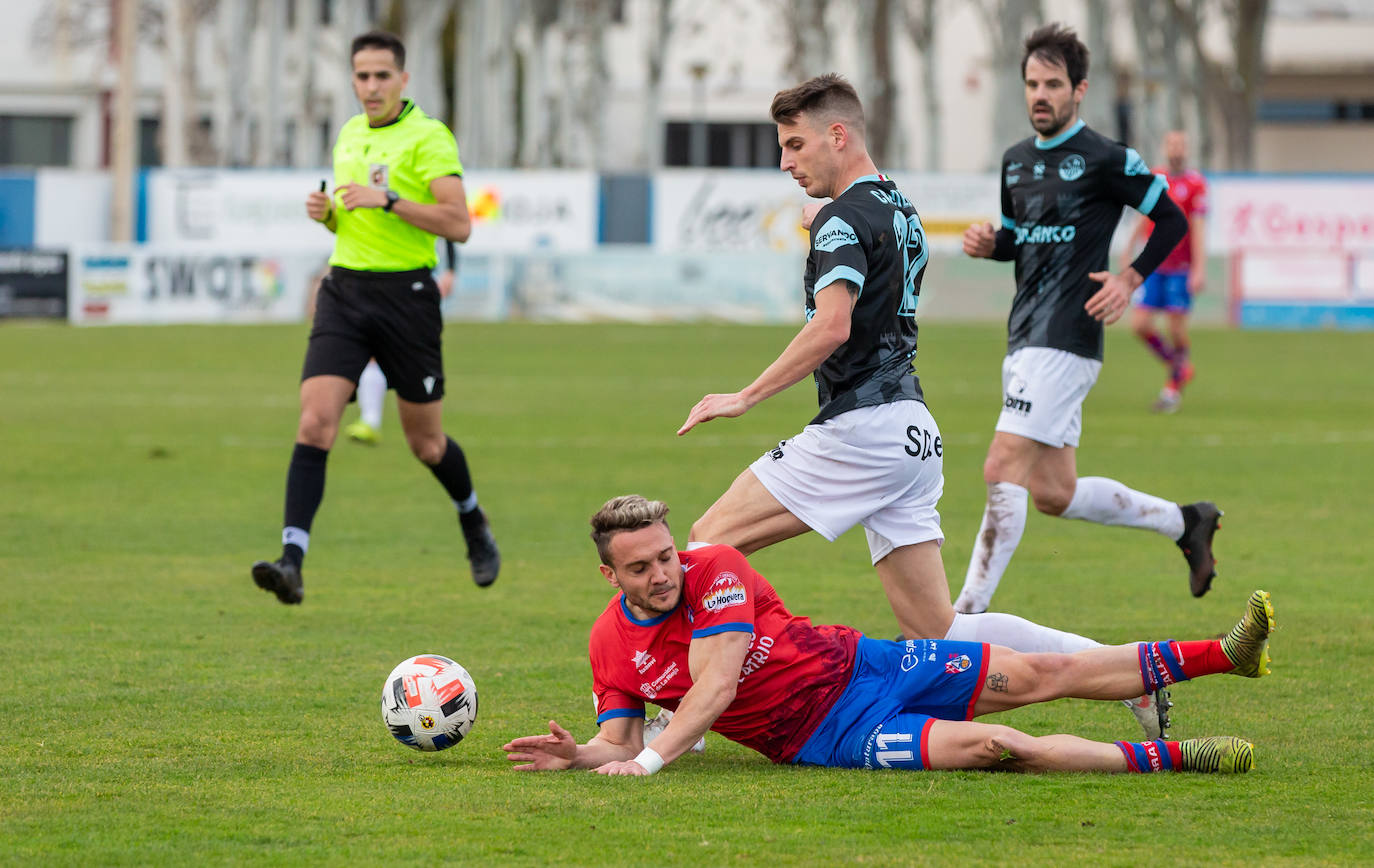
(1182, 275)
(703, 634)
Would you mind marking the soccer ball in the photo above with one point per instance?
(429, 702)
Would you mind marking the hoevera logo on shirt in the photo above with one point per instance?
(727, 590)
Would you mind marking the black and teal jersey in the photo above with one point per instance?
(870, 236)
(1063, 198)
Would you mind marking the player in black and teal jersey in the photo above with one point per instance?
(1062, 194)
(398, 185)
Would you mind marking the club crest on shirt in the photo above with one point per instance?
(1071, 168)
(957, 663)
(378, 175)
(726, 590)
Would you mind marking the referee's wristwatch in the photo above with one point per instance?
(392, 197)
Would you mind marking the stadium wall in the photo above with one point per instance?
(576, 245)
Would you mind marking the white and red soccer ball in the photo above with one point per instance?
(429, 702)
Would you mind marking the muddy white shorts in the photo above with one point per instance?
(1043, 392)
(882, 467)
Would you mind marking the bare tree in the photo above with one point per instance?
(661, 25)
(873, 24)
(807, 37)
(1099, 105)
(1231, 88)
(423, 35)
(1008, 22)
(920, 20)
(485, 82)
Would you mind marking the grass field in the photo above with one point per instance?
(161, 709)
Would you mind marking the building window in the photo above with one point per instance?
(35, 140)
(728, 145)
(1315, 111)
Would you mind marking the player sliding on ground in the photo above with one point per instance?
(703, 633)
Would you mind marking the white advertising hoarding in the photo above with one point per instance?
(1255, 212)
(745, 210)
(127, 284)
(247, 208)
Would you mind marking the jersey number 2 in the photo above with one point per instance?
(911, 238)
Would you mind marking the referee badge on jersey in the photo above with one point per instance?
(378, 176)
(1071, 167)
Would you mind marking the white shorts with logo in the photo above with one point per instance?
(882, 467)
(1042, 394)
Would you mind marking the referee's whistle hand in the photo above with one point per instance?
(317, 206)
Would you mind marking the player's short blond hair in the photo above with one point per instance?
(619, 514)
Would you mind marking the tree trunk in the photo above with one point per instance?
(873, 22)
(424, 31)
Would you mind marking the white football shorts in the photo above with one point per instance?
(882, 467)
(1042, 394)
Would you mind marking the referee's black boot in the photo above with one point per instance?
(1200, 523)
(282, 578)
(483, 555)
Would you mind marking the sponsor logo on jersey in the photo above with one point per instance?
(650, 689)
(957, 663)
(1071, 168)
(757, 656)
(1135, 165)
(1038, 169)
(643, 660)
(1042, 234)
(834, 234)
(1013, 173)
(726, 591)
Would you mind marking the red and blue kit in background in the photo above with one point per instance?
(1167, 287)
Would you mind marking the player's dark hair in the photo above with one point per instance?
(627, 512)
(827, 98)
(381, 39)
(1059, 45)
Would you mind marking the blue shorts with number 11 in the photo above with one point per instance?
(897, 690)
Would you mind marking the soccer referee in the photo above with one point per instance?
(399, 184)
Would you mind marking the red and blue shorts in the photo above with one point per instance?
(897, 690)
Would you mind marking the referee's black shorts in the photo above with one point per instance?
(392, 316)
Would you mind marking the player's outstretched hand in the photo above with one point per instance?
(1111, 301)
(1197, 279)
(358, 196)
(557, 750)
(980, 240)
(713, 407)
(445, 284)
(626, 767)
(809, 212)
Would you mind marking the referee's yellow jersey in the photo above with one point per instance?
(405, 156)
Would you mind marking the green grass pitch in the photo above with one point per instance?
(160, 709)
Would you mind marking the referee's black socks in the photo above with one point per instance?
(304, 491)
(452, 473)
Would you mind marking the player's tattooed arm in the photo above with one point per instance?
(998, 682)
